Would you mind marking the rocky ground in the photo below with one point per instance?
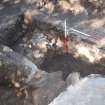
(34, 67)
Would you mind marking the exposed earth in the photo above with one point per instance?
(24, 37)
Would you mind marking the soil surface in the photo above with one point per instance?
(65, 63)
(68, 64)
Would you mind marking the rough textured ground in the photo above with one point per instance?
(67, 64)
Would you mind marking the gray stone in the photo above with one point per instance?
(88, 91)
(17, 67)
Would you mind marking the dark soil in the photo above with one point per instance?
(67, 64)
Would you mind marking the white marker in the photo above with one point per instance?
(65, 24)
(79, 32)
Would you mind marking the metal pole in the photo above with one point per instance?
(65, 26)
(80, 32)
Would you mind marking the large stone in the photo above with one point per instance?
(89, 90)
(15, 67)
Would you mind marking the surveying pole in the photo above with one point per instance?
(66, 40)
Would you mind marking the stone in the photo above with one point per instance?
(19, 68)
(88, 90)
